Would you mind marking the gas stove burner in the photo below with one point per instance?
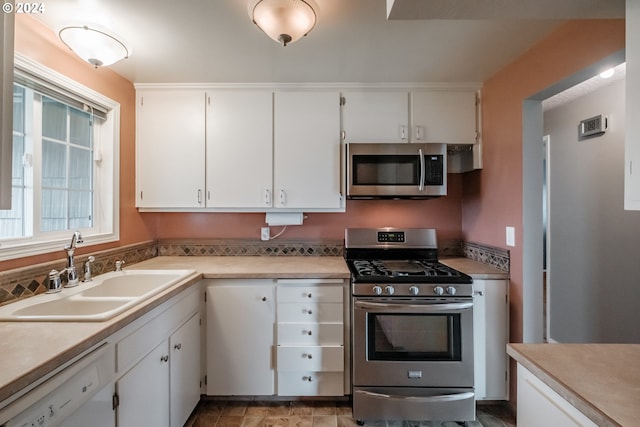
(403, 268)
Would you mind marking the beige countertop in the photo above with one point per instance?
(601, 380)
(475, 269)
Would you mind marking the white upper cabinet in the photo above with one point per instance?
(632, 132)
(440, 116)
(375, 116)
(170, 141)
(239, 148)
(306, 155)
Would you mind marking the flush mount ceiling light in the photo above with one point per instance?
(285, 21)
(97, 46)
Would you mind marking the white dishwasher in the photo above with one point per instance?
(78, 396)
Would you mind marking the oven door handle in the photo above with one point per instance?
(429, 399)
(422, 308)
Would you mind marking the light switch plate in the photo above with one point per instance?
(511, 236)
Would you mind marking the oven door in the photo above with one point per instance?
(413, 342)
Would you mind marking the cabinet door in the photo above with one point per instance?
(539, 405)
(375, 116)
(490, 337)
(170, 138)
(184, 375)
(240, 338)
(307, 172)
(239, 149)
(632, 106)
(443, 117)
(144, 391)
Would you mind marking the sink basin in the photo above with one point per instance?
(132, 284)
(101, 299)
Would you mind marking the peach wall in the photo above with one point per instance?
(443, 213)
(492, 197)
(39, 43)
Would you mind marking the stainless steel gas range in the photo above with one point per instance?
(412, 328)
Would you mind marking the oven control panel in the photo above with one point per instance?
(391, 237)
(412, 290)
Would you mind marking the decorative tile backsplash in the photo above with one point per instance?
(28, 281)
(496, 257)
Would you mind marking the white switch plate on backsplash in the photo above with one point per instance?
(511, 236)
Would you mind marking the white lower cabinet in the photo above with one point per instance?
(143, 387)
(159, 363)
(490, 338)
(539, 405)
(276, 337)
(240, 322)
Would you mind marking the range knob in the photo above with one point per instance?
(377, 290)
(438, 290)
(413, 290)
(389, 289)
(451, 290)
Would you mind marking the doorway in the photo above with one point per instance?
(535, 325)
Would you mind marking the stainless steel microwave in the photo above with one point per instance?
(401, 170)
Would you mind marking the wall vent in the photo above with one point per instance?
(593, 126)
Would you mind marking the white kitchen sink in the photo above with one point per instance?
(101, 299)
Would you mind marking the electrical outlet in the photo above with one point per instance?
(265, 233)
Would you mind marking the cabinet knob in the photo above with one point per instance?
(307, 378)
(177, 346)
(164, 358)
(309, 311)
(264, 298)
(309, 295)
(307, 356)
(307, 332)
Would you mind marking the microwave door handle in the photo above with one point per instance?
(421, 185)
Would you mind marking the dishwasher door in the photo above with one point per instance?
(79, 395)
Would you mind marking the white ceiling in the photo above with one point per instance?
(205, 41)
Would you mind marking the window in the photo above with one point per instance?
(64, 175)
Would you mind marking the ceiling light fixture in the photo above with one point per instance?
(99, 47)
(285, 21)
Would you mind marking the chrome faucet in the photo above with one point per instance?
(72, 274)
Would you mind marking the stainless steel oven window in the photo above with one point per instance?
(414, 337)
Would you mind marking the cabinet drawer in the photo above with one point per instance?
(297, 383)
(310, 358)
(317, 293)
(310, 334)
(310, 312)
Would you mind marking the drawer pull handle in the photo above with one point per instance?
(309, 295)
(177, 346)
(307, 356)
(309, 311)
(264, 298)
(164, 358)
(307, 378)
(307, 333)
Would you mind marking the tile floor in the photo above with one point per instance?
(232, 413)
